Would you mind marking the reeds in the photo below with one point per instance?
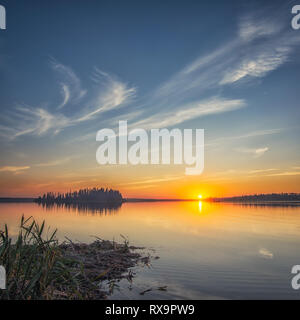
(35, 267)
(38, 267)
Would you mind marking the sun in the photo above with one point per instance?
(200, 196)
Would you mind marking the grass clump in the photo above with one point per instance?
(36, 267)
(39, 268)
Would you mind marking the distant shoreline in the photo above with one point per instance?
(137, 200)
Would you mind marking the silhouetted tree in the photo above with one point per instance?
(94, 195)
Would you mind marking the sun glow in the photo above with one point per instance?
(200, 196)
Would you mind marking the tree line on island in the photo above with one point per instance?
(260, 198)
(94, 195)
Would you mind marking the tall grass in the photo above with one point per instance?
(35, 266)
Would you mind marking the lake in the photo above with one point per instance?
(206, 250)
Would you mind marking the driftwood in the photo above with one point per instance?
(102, 260)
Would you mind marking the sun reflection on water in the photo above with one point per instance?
(200, 206)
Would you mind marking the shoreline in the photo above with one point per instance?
(101, 261)
(39, 267)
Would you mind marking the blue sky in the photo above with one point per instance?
(70, 68)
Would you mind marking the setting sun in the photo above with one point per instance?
(115, 135)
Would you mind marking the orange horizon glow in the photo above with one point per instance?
(183, 188)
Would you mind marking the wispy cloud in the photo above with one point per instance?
(139, 187)
(252, 134)
(110, 94)
(66, 94)
(113, 95)
(260, 57)
(234, 61)
(256, 153)
(244, 57)
(153, 180)
(38, 121)
(54, 162)
(261, 170)
(6, 132)
(257, 64)
(286, 173)
(258, 25)
(258, 133)
(232, 174)
(14, 169)
(71, 87)
(190, 111)
(265, 253)
(195, 79)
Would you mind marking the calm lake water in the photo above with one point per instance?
(207, 251)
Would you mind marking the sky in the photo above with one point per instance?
(71, 68)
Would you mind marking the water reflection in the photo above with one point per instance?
(218, 250)
(84, 208)
(279, 204)
(200, 206)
